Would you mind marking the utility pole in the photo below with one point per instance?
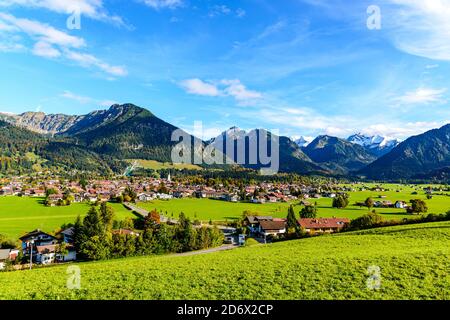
(30, 244)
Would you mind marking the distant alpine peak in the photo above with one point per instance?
(375, 141)
(235, 129)
(302, 141)
(233, 133)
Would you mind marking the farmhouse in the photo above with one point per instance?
(322, 225)
(68, 235)
(47, 254)
(7, 255)
(252, 222)
(401, 205)
(272, 227)
(146, 197)
(40, 238)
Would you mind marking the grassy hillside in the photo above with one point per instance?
(20, 215)
(414, 262)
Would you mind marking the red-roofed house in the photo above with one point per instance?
(323, 225)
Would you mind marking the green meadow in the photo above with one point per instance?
(413, 263)
(216, 210)
(156, 165)
(19, 215)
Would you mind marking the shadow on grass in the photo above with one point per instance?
(231, 218)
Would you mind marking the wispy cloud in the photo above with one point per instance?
(93, 9)
(236, 89)
(107, 103)
(224, 10)
(72, 96)
(418, 27)
(422, 96)
(11, 47)
(162, 4)
(88, 60)
(53, 43)
(296, 121)
(44, 49)
(200, 87)
(87, 100)
(225, 87)
(43, 32)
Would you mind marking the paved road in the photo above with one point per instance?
(145, 213)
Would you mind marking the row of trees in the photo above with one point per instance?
(417, 205)
(95, 238)
(374, 220)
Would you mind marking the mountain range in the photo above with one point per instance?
(376, 145)
(427, 154)
(338, 155)
(102, 140)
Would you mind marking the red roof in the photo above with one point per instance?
(318, 223)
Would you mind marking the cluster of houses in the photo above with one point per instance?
(267, 226)
(387, 204)
(152, 188)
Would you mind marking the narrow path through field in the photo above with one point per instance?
(142, 212)
(206, 251)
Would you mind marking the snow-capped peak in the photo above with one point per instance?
(373, 142)
(302, 141)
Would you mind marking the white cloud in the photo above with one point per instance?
(161, 4)
(218, 10)
(199, 87)
(11, 47)
(88, 60)
(240, 13)
(87, 100)
(431, 66)
(419, 27)
(72, 96)
(44, 49)
(90, 8)
(54, 43)
(309, 122)
(223, 10)
(237, 90)
(107, 103)
(225, 87)
(422, 96)
(399, 130)
(43, 32)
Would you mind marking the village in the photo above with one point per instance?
(65, 192)
(45, 248)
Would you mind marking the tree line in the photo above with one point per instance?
(95, 238)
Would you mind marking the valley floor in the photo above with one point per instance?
(413, 263)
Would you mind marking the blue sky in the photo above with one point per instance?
(302, 67)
